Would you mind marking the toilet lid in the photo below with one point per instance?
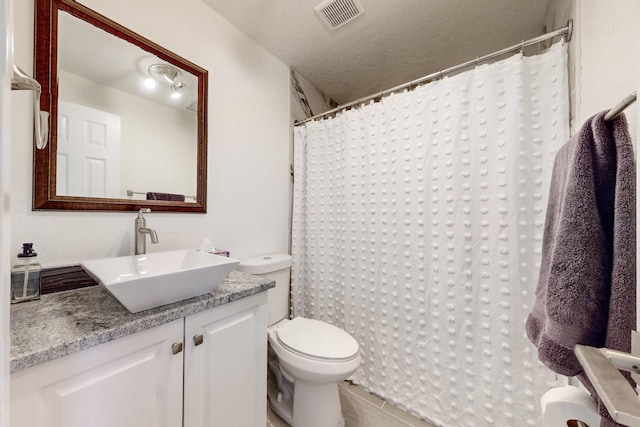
(317, 339)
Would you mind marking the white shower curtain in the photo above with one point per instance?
(417, 228)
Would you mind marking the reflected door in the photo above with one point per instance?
(88, 160)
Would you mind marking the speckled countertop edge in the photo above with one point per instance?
(66, 322)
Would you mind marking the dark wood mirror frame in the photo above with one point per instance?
(46, 72)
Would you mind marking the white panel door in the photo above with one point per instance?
(132, 381)
(88, 157)
(225, 378)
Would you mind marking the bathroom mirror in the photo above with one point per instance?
(128, 117)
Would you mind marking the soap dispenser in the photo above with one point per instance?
(25, 276)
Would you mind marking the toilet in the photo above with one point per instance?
(307, 358)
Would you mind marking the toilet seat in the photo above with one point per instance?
(317, 340)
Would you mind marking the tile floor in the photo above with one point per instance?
(361, 409)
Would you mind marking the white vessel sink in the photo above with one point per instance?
(141, 282)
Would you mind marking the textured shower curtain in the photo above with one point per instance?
(417, 228)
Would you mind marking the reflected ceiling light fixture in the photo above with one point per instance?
(175, 92)
(167, 74)
(149, 83)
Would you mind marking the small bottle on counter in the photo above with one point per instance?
(25, 276)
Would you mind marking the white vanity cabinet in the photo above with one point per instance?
(147, 380)
(226, 366)
(132, 381)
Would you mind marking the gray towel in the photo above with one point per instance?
(586, 289)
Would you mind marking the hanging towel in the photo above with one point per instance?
(165, 196)
(586, 287)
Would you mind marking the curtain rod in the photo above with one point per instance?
(620, 107)
(566, 32)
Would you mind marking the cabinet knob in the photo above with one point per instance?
(197, 340)
(176, 347)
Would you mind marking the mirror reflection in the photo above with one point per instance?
(127, 120)
(128, 117)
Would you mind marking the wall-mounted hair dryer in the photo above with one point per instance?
(21, 81)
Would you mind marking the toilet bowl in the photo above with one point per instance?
(307, 358)
(316, 355)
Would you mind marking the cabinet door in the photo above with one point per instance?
(131, 381)
(226, 365)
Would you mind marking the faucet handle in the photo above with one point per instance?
(143, 211)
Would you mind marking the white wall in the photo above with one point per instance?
(6, 60)
(248, 144)
(604, 55)
(609, 56)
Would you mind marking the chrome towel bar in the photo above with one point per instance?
(620, 107)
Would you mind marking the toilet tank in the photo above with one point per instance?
(274, 267)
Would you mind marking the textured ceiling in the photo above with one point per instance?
(395, 41)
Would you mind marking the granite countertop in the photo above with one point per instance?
(65, 322)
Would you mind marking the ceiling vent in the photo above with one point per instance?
(336, 13)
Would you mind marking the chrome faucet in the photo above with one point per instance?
(140, 231)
